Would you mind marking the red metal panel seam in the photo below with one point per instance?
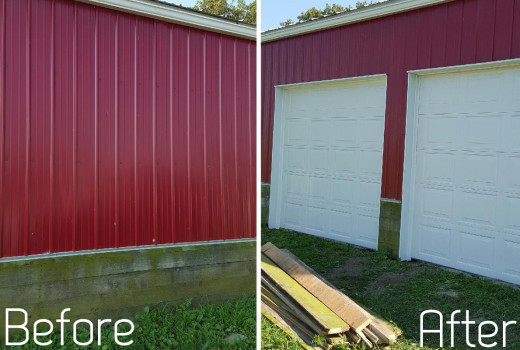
(74, 121)
(136, 193)
(515, 46)
(2, 120)
(116, 129)
(503, 32)
(494, 30)
(154, 129)
(512, 29)
(268, 53)
(190, 214)
(445, 40)
(481, 22)
(236, 141)
(280, 79)
(27, 123)
(252, 207)
(51, 151)
(172, 170)
(431, 40)
(222, 234)
(206, 207)
(461, 30)
(469, 23)
(96, 133)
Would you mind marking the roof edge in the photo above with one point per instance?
(362, 14)
(173, 14)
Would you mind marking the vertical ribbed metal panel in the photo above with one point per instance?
(455, 33)
(119, 130)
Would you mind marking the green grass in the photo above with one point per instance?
(180, 327)
(274, 338)
(399, 291)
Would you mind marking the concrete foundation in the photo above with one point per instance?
(389, 226)
(265, 196)
(118, 282)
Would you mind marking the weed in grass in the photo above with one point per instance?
(182, 327)
(273, 338)
(319, 340)
(399, 291)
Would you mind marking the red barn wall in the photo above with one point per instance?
(455, 33)
(120, 130)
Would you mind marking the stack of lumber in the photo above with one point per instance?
(305, 305)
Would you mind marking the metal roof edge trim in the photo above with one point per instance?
(363, 14)
(124, 249)
(178, 15)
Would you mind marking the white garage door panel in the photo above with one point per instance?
(332, 151)
(467, 179)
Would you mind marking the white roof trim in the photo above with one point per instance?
(363, 14)
(178, 15)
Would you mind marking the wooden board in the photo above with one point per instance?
(321, 313)
(386, 334)
(384, 330)
(371, 336)
(356, 317)
(291, 306)
(289, 316)
(354, 337)
(286, 326)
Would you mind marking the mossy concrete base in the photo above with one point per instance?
(115, 283)
(266, 192)
(389, 226)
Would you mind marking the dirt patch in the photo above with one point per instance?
(391, 279)
(353, 267)
(360, 266)
(449, 293)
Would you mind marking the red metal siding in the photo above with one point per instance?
(119, 130)
(455, 33)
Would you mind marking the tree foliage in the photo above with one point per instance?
(243, 11)
(332, 10)
(310, 14)
(215, 7)
(286, 23)
(329, 10)
(239, 10)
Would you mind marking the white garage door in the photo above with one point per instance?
(466, 211)
(327, 159)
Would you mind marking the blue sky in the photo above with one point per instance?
(276, 11)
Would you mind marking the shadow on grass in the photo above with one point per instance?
(399, 291)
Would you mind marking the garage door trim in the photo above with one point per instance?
(409, 175)
(275, 201)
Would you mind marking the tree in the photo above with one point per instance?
(286, 23)
(361, 4)
(310, 14)
(215, 7)
(329, 10)
(241, 11)
(332, 10)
